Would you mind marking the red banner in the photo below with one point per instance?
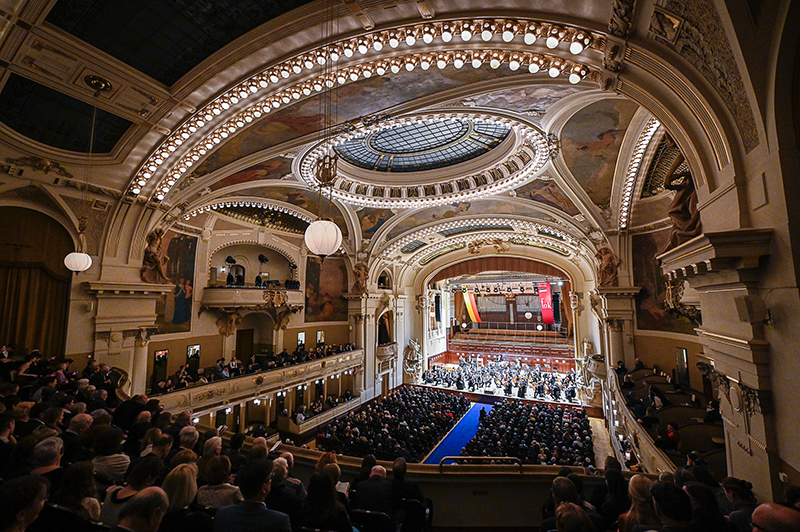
(546, 301)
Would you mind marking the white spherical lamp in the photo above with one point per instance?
(78, 262)
(323, 238)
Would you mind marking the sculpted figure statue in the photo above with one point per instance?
(607, 271)
(412, 359)
(154, 264)
(361, 272)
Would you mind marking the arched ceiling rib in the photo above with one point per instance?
(497, 263)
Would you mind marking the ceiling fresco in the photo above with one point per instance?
(531, 99)
(355, 100)
(276, 168)
(590, 143)
(549, 193)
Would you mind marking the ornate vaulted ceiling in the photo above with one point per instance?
(452, 130)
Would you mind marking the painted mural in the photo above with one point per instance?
(531, 98)
(325, 286)
(372, 219)
(354, 100)
(303, 198)
(174, 310)
(272, 169)
(549, 193)
(650, 312)
(590, 143)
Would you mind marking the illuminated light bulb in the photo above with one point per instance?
(447, 34)
(574, 78)
(160, 196)
(274, 77)
(427, 38)
(554, 71)
(297, 68)
(263, 83)
(395, 68)
(394, 42)
(487, 35)
(466, 34)
(425, 63)
(514, 64)
(410, 66)
(136, 190)
(494, 63)
(533, 68)
(508, 35)
(348, 52)
(551, 42)
(366, 72)
(377, 45)
(529, 38)
(575, 47)
(476, 62)
(441, 64)
(410, 39)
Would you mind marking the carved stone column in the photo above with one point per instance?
(725, 269)
(615, 306)
(126, 315)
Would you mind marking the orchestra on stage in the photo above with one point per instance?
(518, 379)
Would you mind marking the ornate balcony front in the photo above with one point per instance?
(250, 298)
(221, 393)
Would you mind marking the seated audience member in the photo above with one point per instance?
(279, 498)
(621, 370)
(367, 463)
(713, 414)
(211, 448)
(48, 454)
(180, 485)
(109, 460)
(73, 450)
(572, 518)
(673, 508)
(252, 515)
(187, 438)
(375, 493)
(639, 365)
(681, 476)
(144, 511)
(641, 511)
(335, 472)
(293, 485)
(322, 509)
(140, 477)
(703, 476)
(740, 494)
(78, 491)
(218, 491)
(325, 459)
(772, 517)
(237, 457)
(562, 491)
(650, 419)
(7, 440)
(627, 382)
(664, 442)
(616, 502)
(706, 514)
(654, 392)
(23, 498)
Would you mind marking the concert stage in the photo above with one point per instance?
(479, 397)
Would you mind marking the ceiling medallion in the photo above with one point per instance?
(439, 164)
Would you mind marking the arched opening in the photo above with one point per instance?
(35, 283)
(254, 336)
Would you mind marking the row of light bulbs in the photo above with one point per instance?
(536, 62)
(531, 31)
(523, 226)
(633, 169)
(504, 236)
(257, 204)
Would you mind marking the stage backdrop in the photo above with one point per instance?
(324, 289)
(174, 310)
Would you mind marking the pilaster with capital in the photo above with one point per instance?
(615, 308)
(725, 268)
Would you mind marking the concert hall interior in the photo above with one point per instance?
(523, 235)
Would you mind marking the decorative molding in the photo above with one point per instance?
(620, 23)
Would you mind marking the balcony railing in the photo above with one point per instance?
(238, 389)
(250, 296)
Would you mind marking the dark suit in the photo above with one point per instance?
(374, 494)
(248, 516)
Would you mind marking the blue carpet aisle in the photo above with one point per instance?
(459, 435)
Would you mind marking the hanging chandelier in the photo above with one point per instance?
(80, 261)
(323, 237)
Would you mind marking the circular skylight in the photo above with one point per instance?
(422, 145)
